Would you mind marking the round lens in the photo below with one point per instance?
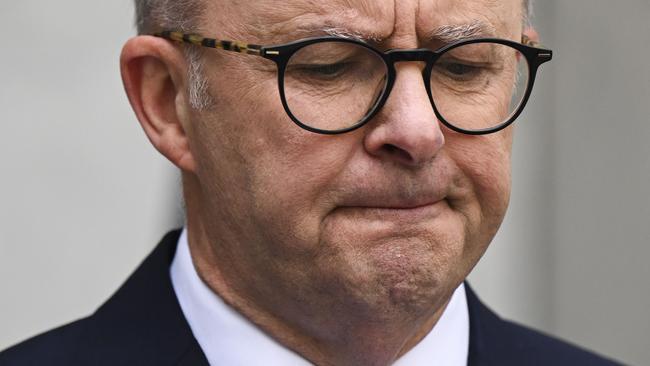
(333, 85)
(479, 86)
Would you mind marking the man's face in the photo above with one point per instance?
(384, 220)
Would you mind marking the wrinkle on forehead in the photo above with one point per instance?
(362, 19)
(271, 21)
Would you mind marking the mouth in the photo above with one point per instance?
(401, 212)
(404, 202)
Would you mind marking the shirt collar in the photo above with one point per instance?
(228, 338)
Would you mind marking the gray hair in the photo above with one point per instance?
(151, 15)
(184, 15)
(181, 15)
(528, 13)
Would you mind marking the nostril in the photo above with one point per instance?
(397, 152)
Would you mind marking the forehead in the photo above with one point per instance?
(272, 20)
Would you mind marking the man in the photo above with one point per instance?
(341, 181)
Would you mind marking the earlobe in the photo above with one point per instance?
(153, 76)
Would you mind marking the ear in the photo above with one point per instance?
(154, 76)
(532, 34)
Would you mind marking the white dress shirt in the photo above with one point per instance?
(228, 338)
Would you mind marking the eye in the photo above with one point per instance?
(459, 70)
(323, 70)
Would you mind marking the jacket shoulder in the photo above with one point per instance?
(496, 341)
(55, 347)
(536, 348)
(140, 324)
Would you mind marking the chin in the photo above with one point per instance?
(398, 278)
(415, 273)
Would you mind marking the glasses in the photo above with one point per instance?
(332, 85)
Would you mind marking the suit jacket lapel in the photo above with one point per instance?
(477, 347)
(142, 323)
(490, 342)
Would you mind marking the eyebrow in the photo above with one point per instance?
(444, 34)
(457, 32)
(346, 33)
(336, 31)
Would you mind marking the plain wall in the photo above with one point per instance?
(572, 257)
(84, 197)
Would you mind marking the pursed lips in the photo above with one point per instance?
(404, 198)
(390, 207)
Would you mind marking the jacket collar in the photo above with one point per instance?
(491, 343)
(142, 323)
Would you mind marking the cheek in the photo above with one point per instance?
(291, 187)
(485, 162)
(287, 170)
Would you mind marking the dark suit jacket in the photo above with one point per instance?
(142, 324)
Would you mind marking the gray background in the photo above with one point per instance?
(84, 197)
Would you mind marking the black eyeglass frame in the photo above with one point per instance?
(281, 54)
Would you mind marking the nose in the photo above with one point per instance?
(406, 130)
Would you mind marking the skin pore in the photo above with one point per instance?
(344, 248)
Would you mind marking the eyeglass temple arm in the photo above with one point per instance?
(253, 49)
(197, 40)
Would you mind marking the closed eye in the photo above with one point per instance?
(323, 71)
(460, 70)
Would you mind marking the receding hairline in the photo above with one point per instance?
(185, 15)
